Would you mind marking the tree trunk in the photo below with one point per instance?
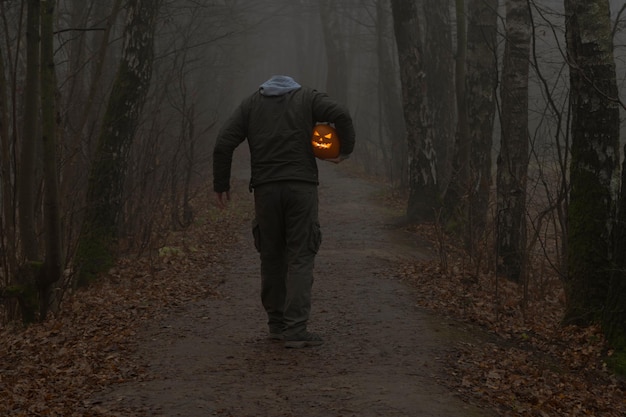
(440, 78)
(26, 178)
(97, 67)
(595, 158)
(423, 177)
(462, 140)
(53, 263)
(107, 175)
(81, 129)
(455, 198)
(614, 318)
(390, 101)
(79, 13)
(7, 224)
(336, 54)
(84, 90)
(189, 166)
(481, 81)
(25, 288)
(513, 158)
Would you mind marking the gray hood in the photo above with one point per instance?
(278, 85)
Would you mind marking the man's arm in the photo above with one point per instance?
(230, 136)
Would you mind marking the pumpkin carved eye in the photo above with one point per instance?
(325, 142)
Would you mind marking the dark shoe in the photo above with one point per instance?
(304, 339)
(276, 336)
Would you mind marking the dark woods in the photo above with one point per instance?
(498, 121)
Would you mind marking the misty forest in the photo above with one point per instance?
(499, 124)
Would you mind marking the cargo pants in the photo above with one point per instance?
(287, 236)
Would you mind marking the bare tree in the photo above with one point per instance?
(455, 198)
(550, 158)
(53, 262)
(595, 158)
(513, 158)
(466, 199)
(614, 317)
(423, 177)
(481, 82)
(336, 54)
(7, 225)
(32, 282)
(390, 102)
(439, 70)
(25, 290)
(84, 86)
(106, 179)
(83, 89)
(27, 175)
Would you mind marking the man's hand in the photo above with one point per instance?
(222, 198)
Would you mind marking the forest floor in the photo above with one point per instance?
(409, 331)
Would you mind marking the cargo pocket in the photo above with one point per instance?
(257, 235)
(315, 239)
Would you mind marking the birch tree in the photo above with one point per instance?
(595, 158)
(513, 159)
(423, 177)
(439, 69)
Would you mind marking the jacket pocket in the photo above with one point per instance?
(315, 240)
(257, 235)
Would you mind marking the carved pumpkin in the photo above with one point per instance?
(325, 142)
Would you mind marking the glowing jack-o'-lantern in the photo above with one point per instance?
(325, 142)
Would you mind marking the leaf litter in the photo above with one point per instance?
(53, 368)
(526, 365)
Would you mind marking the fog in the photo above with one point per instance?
(245, 42)
(233, 47)
(211, 54)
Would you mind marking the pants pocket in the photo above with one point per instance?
(315, 240)
(257, 235)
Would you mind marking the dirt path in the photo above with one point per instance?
(380, 356)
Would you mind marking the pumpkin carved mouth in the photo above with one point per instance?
(325, 142)
(320, 143)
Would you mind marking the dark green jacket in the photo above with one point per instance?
(279, 130)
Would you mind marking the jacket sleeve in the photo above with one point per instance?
(326, 109)
(232, 133)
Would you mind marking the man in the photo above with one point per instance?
(278, 120)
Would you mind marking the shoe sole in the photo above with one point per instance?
(276, 337)
(298, 344)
